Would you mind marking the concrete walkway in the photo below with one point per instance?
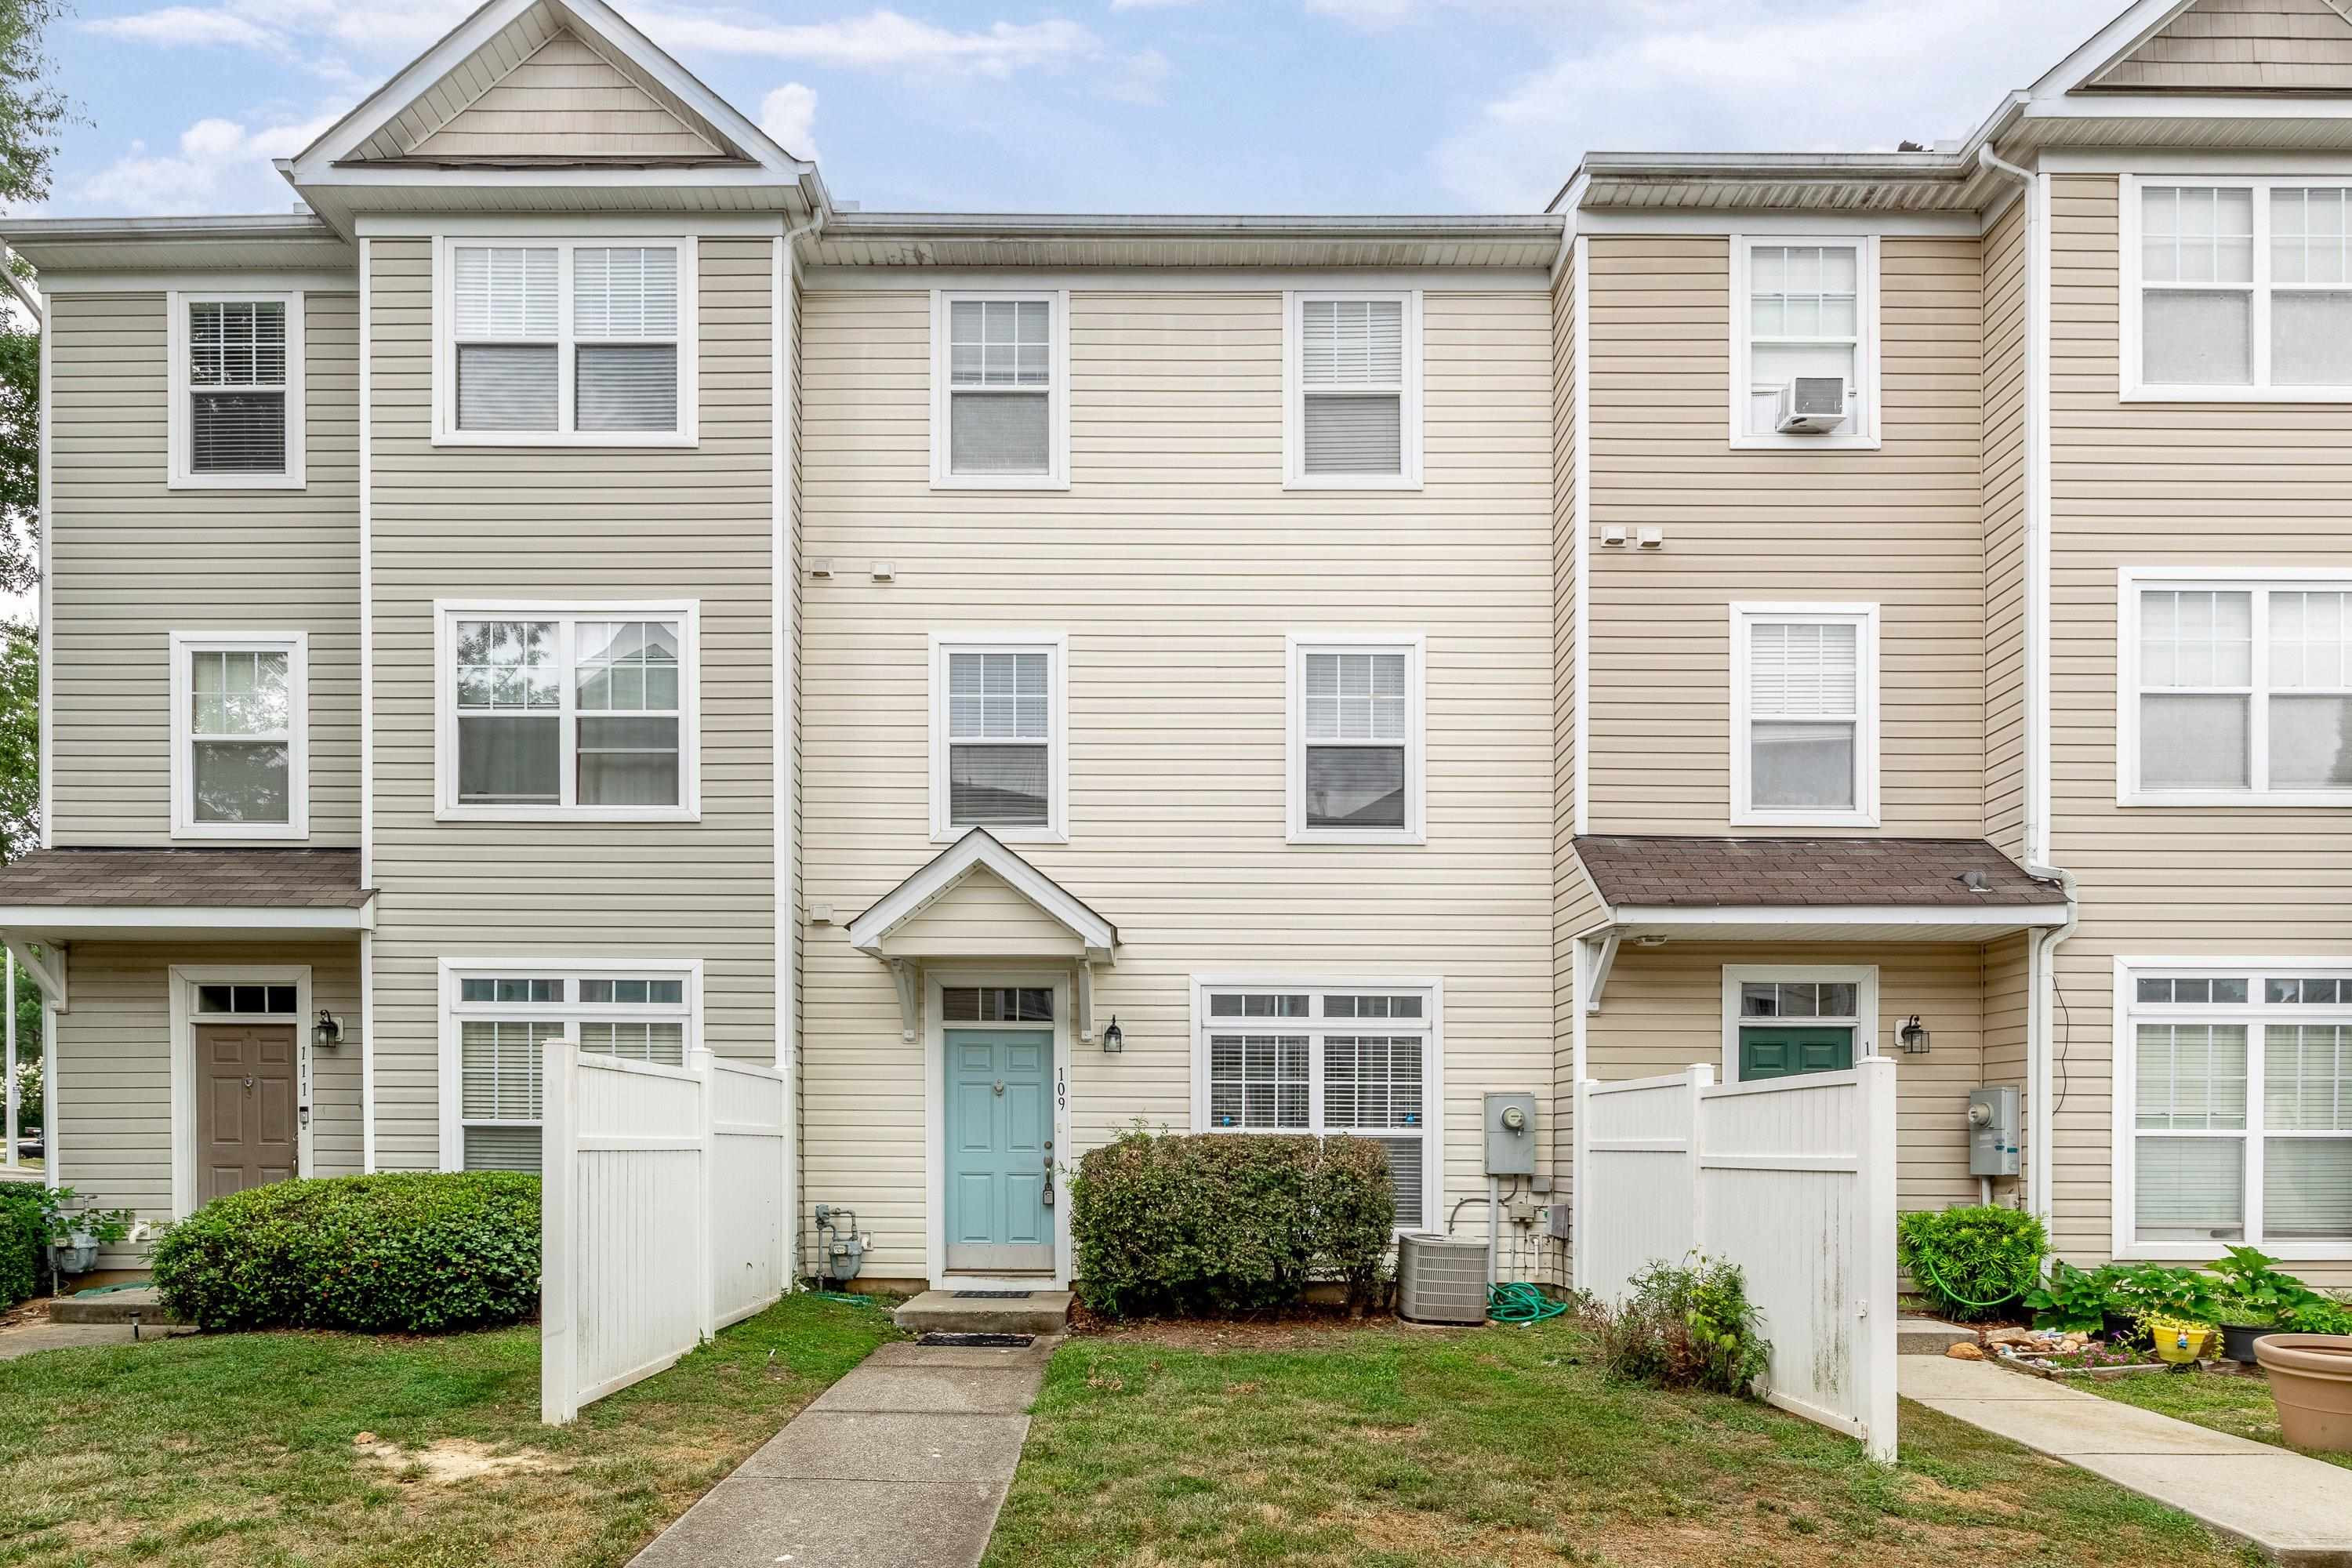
(32, 1337)
(2294, 1508)
(902, 1464)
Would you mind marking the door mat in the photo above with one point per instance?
(993, 1295)
(941, 1337)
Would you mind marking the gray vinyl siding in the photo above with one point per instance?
(112, 1100)
(132, 561)
(559, 524)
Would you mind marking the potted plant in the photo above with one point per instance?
(2178, 1340)
(2242, 1323)
(76, 1235)
(2311, 1384)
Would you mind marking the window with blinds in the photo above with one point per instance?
(1355, 416)
(1000, 407)
(239, 734)
(1802, 735)
(566, 339)
(2240, 1099)
(504, 1023)
(1325, 1061)
(237, 390)
(2239, 691)
(997, 727)
(1355, 763)
(585, 713)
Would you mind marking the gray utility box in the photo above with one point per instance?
(1440, 1280)
(1992, 1132)
(1511, 1149)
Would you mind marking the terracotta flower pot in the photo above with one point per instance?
(2311, 1383)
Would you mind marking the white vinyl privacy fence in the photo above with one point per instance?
(1792, 1179)
(663, 1215)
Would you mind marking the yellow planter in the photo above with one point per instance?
(2178, 1343)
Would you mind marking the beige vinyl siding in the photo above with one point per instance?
(1901, 526)
(565, 525)
(2006, 264)
(113, 1102)
(2164, 484)
(565, 101)
(1663, 1011)
(2242, 45)
(983, 908)
(2008, 999)
(1576, 904)
(132, 561)
(1176, 564)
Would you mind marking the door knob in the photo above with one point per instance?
(999, 1086)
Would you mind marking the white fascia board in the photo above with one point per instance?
(1833, 221)
(37, 919)
(975, 850)
(1702, 915)
(2214, 106)
(198, 280)
(557, 226)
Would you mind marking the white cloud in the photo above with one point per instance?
(1746, 75)
(279, 26)
(789, 115)
(217, 160)
(189, 25)
(1138, 78)
(1368, 15)
(1148, 4)
(880, 40)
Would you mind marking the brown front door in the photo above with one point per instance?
(247, 1130)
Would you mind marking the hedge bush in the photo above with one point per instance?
(1974, 1261)
(391, 1254)
(24, 1241)
(1215, 1223)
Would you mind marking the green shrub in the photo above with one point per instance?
(392, 1254)
(1972, 1262)
(1217, 1223)
(24, 1241)
(1687, 1326)
(2073, 1299)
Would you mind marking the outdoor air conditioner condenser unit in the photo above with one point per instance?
(1810, 405)
(1440, 1281)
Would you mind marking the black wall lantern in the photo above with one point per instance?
(1114, 1037)
(1912, 1035)
(328, 1032)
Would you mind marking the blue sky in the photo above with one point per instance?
(1108, 105)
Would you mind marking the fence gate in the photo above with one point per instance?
(1792, 1179)
(662, 1215)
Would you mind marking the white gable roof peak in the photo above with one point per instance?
(976, 850)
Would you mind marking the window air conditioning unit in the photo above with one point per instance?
(1811, 405)
(1440, 1280)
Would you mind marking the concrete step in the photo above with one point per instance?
(945, 1311)
(1928, 1336)
(115, 1307)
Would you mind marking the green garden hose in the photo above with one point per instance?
(1521, 1303)
(1951, 1295)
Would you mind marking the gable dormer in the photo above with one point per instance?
(2236, 46)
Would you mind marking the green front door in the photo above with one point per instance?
(1784, 1050)
(999, 1149)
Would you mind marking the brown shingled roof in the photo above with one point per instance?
(184, 879)
(1644, 871)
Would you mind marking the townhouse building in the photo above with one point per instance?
(1031, 675)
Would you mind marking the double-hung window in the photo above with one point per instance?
(2235, 689)
(239, 734)
(1804, 729)
(1356, 739)
(1353, 368)
(998, 718)
(2233, 1088)
(582, 711)
(1000, 392)
(235, 420)
(499, 1016)
(1356, 1058)
(1804, 308)
(2237, 289)
(569, 341)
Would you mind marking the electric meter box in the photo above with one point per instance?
(1510, 1134)
(1992, 1132)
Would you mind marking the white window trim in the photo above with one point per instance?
(1296, 645)
(1864, 618)
(686, 613)
(1058, 396)
(2256, 580)
(1055, 645)
(1863, 435)
(184, 979)
(296, 646)
(179, 422)
(2132, 389)
(1295, 476)
(454, 1012)
(1432, 1066)
(1864, 977)
(2123, 1240)
(444, 345)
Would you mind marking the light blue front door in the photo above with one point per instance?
(1000, 1144)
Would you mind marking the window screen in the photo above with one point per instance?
(1000, 386)
(1351, 372)
(240, 735)
(1355, 730)
(1000, 738)
(1804, 715)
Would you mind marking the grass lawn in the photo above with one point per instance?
(1389, 1447)
(2239, 1406)
(238, 1448)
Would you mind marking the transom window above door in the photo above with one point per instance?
(587, 714)
(2237, 289)
(2235, 690)
(999, 399)
(240, 724)
(237, 415)
(565, 342)
(998, 716)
